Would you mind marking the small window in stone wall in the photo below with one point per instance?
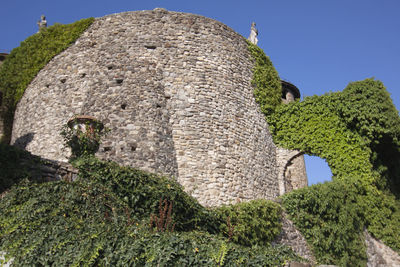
(317, 169)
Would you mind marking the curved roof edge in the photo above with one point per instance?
(287, 86)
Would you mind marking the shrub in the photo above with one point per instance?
(256, 222)
(357, 132)
(331, 219)
(16, 165)
(86, 223)
(142, 192)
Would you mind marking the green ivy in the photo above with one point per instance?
(142, 192)
(266, 81)
(25, 61)
(331, 220)
(357, 132)
(94, 222)
(256, 222)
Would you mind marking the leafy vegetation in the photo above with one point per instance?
(83, 137)
(16, 165)
(142, 191)
(104, 218)
(25, 61)
(266, 81)
(357, 132)
(251, 223)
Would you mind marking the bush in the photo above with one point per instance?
(357, 132)
(90, 224)
(256, 222)
(331, 219)
(16, 165)
(142, 192)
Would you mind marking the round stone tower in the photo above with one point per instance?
(175, 91)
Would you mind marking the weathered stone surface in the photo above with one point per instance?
(292, 237)
(175, 90)
(291, 170)
(379, 254)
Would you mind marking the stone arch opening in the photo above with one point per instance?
(318, 170)
(291, 170)
(294, 172)
(297, 170)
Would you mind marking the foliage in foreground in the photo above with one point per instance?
(25, 61)
(97, 221)
(142, 192)
(16, 165)
(256, 222)
(332, 217)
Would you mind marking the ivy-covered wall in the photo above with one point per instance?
(25, 61)
(357, 132)
(266, 82)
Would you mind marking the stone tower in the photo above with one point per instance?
(291, 166)
(175, 91)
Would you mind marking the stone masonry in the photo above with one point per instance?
(175, 91)
(291, 170)
(379, 254)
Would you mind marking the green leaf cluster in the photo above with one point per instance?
(25, 61)
(357, 132)
(266, 81)
(331, 220)
(142, 192)
(103, 219)
(256, 222)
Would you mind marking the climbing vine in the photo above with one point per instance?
(104, 218)
(25, 61)
(266, 81)
(357, 132)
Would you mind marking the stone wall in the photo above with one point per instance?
(175, 91)
(291, 170)
(379, 254)
(292, 238)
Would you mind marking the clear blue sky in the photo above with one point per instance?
(319, 46)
